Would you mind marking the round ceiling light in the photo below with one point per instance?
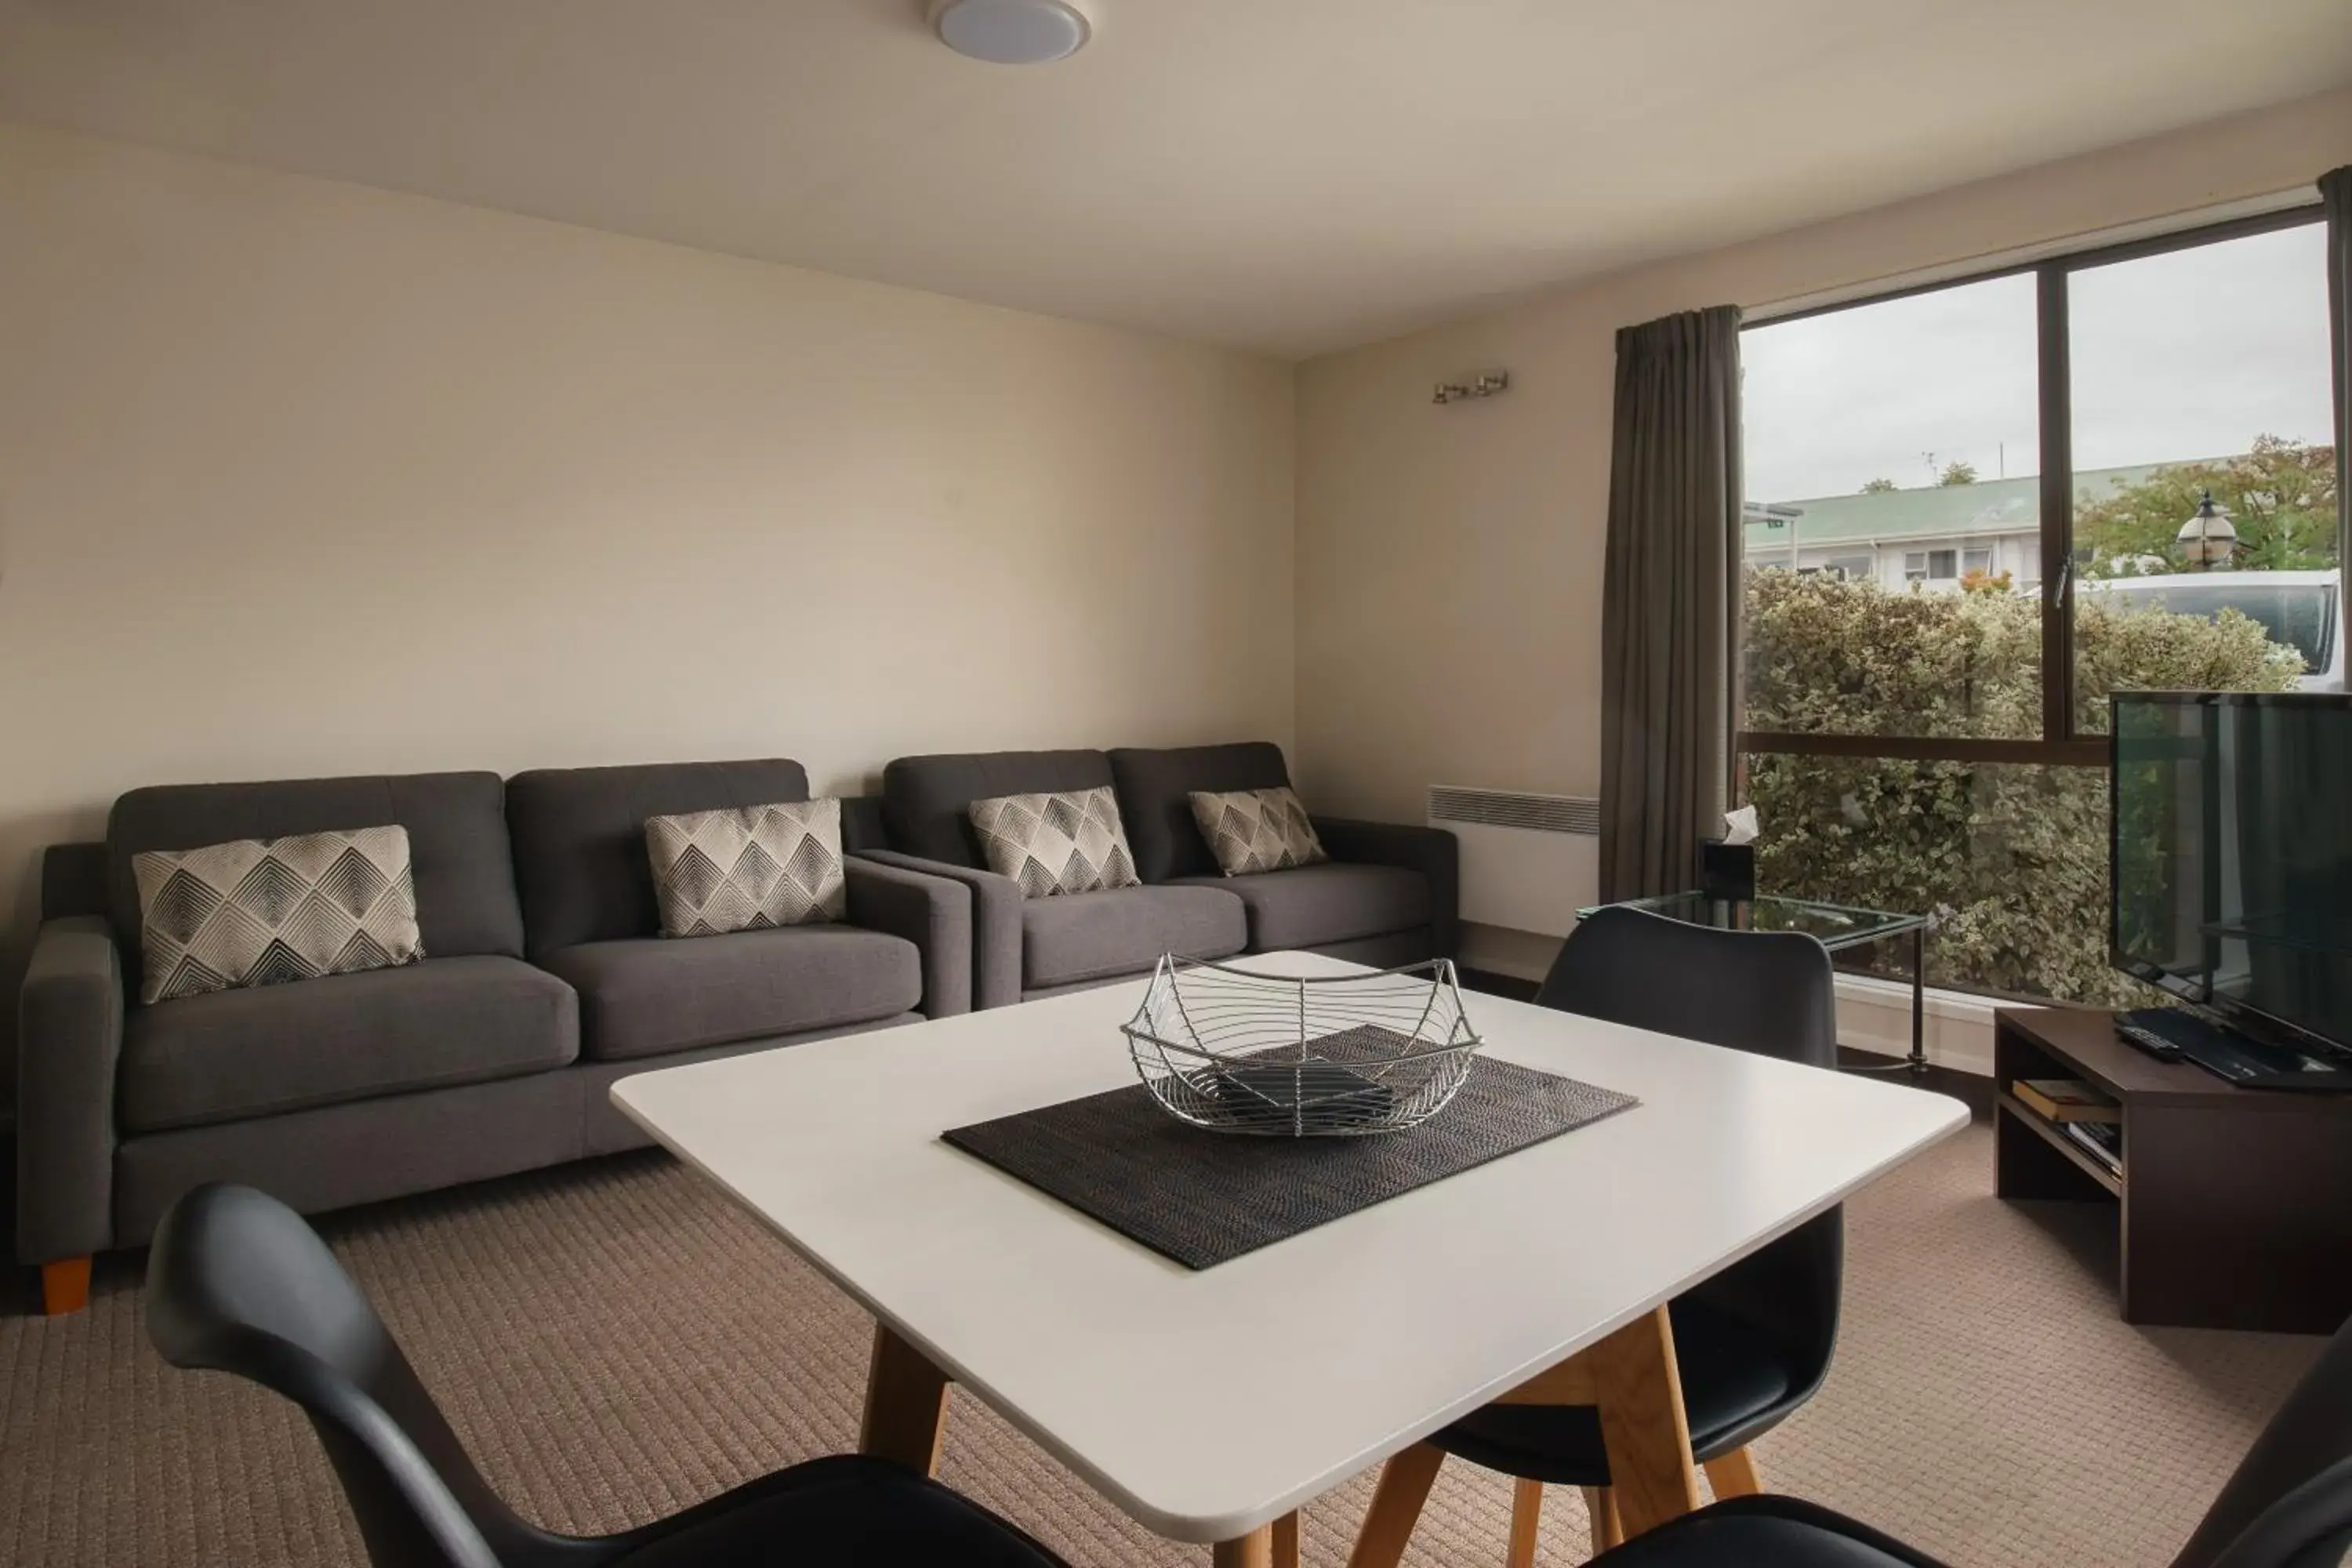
(1010, 32)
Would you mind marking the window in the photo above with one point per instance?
(1876, 423)
(2204, 373)
(1853, 568)
(2032, 449)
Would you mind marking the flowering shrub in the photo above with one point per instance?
(2010, 857)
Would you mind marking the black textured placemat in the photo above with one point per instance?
(1201, 1197)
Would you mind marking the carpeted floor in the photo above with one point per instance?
(614, 1343)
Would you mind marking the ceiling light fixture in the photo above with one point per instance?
(1010, 32)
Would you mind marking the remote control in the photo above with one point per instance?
(2149, 1040)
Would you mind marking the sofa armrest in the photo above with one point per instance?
(995, 923)
(68, 1037)
(932, 912)
(1432, 851)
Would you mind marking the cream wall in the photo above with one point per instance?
(1450, 558)
(298, 477)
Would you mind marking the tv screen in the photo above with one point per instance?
(2231, 857)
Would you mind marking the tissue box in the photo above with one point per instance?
(1727, 871)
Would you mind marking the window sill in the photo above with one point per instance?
(1874, 1014)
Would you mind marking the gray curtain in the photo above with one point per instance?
(2335, 190)
(1666, 619)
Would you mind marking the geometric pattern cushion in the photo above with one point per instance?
(1256, 830)
(747, 868)
(1066, 843)
(261, 911)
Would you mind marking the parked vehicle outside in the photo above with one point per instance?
(2304, 610)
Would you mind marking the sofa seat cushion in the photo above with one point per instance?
(1124, 931)
(642, 996)
(1309, 906)
(227, 1056)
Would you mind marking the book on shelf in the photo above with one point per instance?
(2103, 1140)
(2065, 1100)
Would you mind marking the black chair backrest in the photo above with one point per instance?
(237, 1282)
(1770, 992)
(2289, 1503)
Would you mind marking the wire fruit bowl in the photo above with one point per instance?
(1283, 1057)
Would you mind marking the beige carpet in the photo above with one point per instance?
(614, 1343)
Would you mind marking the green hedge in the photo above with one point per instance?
(2010, 859)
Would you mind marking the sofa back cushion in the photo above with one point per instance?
(458, 854)
(73, 880)
(926, 800)
(1155, 799)
(579, 838)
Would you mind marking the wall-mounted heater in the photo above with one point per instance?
(1528, 861)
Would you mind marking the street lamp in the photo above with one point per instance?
(2207, 540)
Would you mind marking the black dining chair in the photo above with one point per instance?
(236, 1282)
(2288, 1505)
(1752, 1343)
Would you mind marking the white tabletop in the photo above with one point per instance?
(1205, 1403)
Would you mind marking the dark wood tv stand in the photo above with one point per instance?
(2235, 1203)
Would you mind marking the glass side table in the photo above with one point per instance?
(1837, 926)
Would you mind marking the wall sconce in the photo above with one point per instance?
(1488, 384)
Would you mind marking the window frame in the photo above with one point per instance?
(2059, 744)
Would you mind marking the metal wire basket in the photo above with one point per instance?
(1282, 1056)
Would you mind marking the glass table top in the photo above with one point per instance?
(1835, 924)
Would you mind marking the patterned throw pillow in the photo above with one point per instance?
(747, 868)
(1256, 830)
(262, 912)
(1066, 843)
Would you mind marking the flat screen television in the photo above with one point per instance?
(2230, 859)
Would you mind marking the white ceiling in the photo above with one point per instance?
(1292, 175)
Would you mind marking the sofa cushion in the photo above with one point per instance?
(579, 838)
(1155, 797)
(232, 1054)
(747, 868)
(457, 845)
(1054, 845)
(262, 912)
(926, 801)
(641, 996)
(1309, 906)
(1124, 931)
(1253, 830)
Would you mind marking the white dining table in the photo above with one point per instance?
(1210, 1405)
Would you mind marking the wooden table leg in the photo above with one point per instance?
(1651, 1474)
(906, 1404)
(1388, 1524)
(1286, 1540)
(1255, 1550)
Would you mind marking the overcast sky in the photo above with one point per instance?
(2188, 354)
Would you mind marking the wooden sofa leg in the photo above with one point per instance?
(65, 1285)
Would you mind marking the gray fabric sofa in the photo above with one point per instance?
(1024, 948)
(1388, 895)
(491, 1056)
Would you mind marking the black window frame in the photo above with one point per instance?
(2059, 744)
